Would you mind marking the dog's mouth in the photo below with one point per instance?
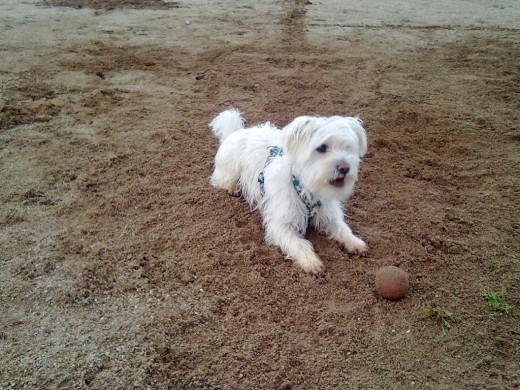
(338, 182)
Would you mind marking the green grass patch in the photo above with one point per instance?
(440, 315)
(497, 302)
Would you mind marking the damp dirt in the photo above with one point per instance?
(121, 267)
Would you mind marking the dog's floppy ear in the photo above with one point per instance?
(298, 133)
(355, 124)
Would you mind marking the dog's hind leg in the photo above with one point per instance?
(227, 171)
(222, 178)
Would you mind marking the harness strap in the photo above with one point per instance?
(311, 204)
(274, 151)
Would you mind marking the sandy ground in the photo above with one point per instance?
(121, 268)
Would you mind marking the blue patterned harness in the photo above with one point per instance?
(311, 204)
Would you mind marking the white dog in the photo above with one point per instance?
(297, 176)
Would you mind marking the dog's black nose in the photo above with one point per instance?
(343, 169)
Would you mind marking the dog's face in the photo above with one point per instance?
(326, 153)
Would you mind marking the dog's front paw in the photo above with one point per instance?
(312, 265)
(353, 244)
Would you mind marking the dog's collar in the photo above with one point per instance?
(312, 204)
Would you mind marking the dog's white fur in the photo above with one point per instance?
(316, 150)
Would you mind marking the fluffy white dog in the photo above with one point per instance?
(296, 177)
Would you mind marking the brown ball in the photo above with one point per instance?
(391, 282)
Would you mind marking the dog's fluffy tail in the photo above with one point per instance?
(226, 123)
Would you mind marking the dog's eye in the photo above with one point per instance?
(322, 148)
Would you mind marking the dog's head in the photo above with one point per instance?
(325, 153)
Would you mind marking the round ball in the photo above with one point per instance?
(391, 282)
